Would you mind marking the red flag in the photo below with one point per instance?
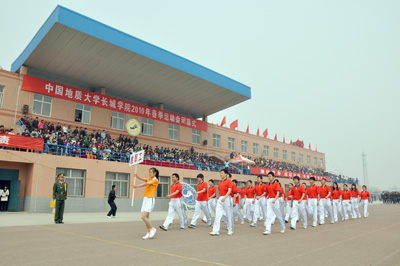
(223, 121)
(291, 142)
(265, 133)
(234, 124)
(247, 130)
(296, 143)
(302, 144)
(284, 139)
(258, 131)
(309, 146)
(276, 137)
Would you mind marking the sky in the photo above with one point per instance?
(326, 72)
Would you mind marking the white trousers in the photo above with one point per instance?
(364, 204)
(337, 208)
(288, 210)
(175, 205)
(346, 208)
(221, 208)
(299, 207)
(282, 207)
(244, 208)
(325, 205)
(249, 205)
(313, 207)
(274, 210)
(237, 213)
(201, 206)
(260, 209)
(354, 205)
(211, 204)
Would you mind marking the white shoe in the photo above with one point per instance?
(342, 219)
(267, 232)
(146, 236)
(314, 225)
(332, 222)
(214, 233)
(152, 232)
(230, 233)
(242, 222)
(253, 225)
(359, 217)
(305, 227)
(282, 231)
(108, 217)
(236, 219)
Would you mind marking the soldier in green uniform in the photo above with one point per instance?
(60, 195)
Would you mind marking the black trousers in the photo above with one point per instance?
(3, 205)
(59, 215)
(113, 210)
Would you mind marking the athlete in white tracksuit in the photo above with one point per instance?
(289, 203)
(365, 198)
(201, 202)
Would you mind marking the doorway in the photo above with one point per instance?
(9, 178)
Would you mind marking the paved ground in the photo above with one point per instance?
(92, 239)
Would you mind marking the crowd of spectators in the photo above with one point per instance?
(79, 142)
(390, 197)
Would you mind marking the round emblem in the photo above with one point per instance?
(188, 195)
(133, 127)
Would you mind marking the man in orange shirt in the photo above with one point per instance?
(298, 204)
(289, 203)
(201, 202)
(365, 198)
(325, 202)
(151, 185)
(243, 199)
(346, 201)
(273, 206)
(223, 204)
(175, 204)
(236, 211)
(259, 201)
(212, 199)
(312, 200)
(249, 205)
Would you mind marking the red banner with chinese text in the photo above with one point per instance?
(58, 90)
(14, 141)
(279, 173)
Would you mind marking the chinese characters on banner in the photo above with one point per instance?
(53, 89)
(279, 173)
(136, 158)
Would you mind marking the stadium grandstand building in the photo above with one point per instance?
(85, 81)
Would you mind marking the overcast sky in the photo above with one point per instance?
(327, 72)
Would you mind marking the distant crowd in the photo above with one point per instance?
(390, 197)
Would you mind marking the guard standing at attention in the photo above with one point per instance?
(60, 195)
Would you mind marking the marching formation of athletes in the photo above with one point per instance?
(263, 201)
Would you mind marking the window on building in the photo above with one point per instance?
(255, 148)
(285, 155)
(196, 137)
(163, 187)
(120, 180)
(117, 120)
(315, 161)
(293, 156)
(244, 146)
(321, 163)
(308, 159)
(216, 141)
(266, 151)
(173, 132)
(42, 105)
(301, 158)
(276, 153)
(1, 96)
(147, 126)
(75, 179)
(83, 113)
(231, 144)
(191, 181)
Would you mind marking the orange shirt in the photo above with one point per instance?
(324, 191)
(250, 192)
(202, 196)
(212, 190)
(242, 192)
(289, 195)
(336, 193)
(233, 189)
(345, 195)
(297, 192)
(175, 187)
(354, 193)
(272, 188)
(223, 186)
(259, 189)
(312, 192)
(237, 190)
(364, 195)
(150, 190)
(282, 193)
